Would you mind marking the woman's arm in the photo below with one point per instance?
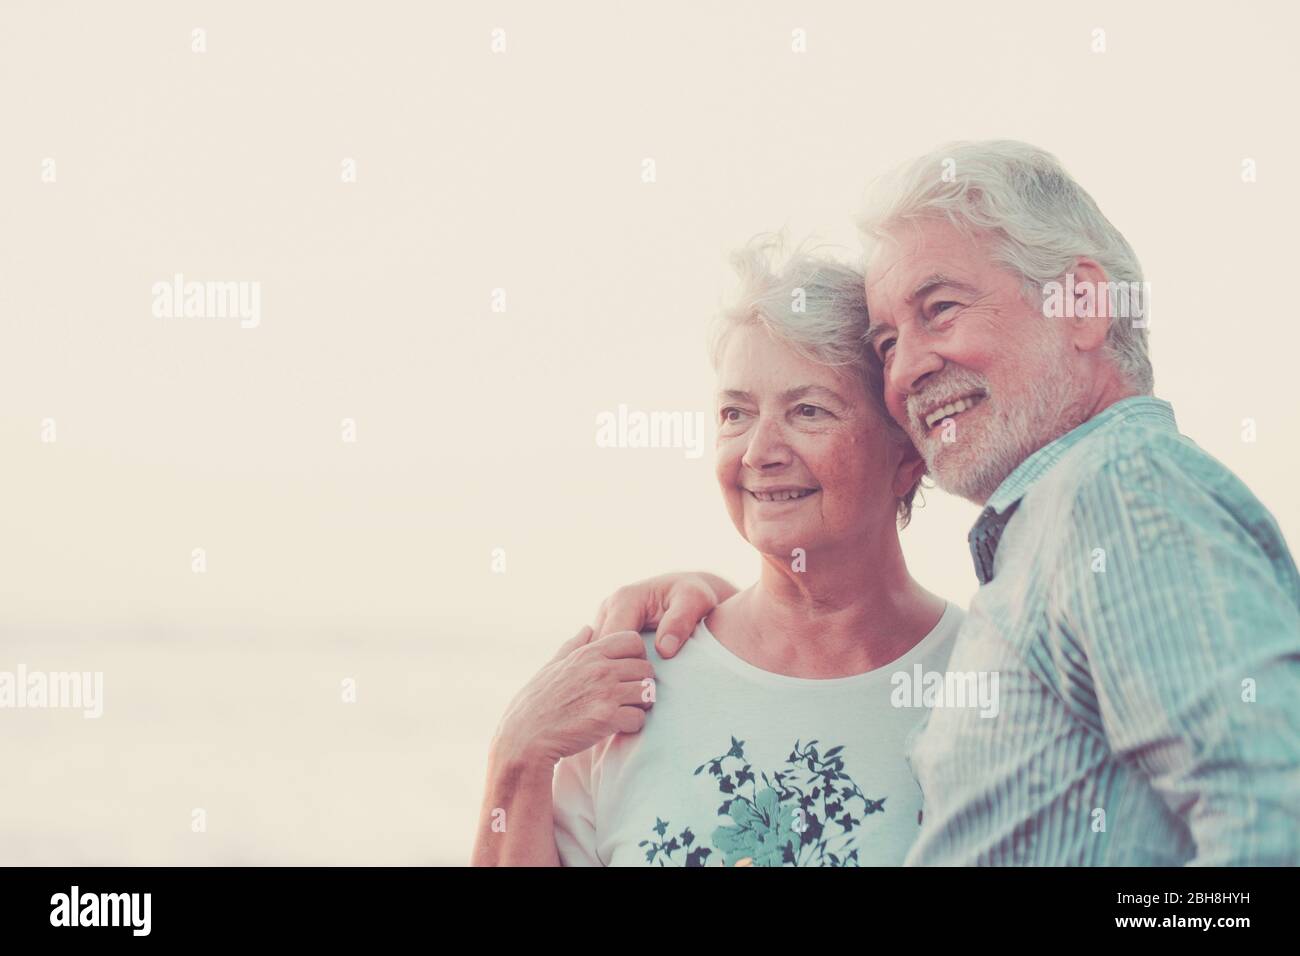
(588, 691)
(516, 826)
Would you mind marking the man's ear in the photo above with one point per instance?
(1092, 306)
(911, 469)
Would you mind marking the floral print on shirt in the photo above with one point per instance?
(806, 814)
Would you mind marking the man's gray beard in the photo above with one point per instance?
(1049, 411)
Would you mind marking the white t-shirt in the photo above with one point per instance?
(740, 764)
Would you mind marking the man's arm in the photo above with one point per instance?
(1191, 640)
(673, 604)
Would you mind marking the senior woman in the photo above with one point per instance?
(773, 738)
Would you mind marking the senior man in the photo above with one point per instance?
(1137, 602)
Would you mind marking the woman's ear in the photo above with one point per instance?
(911, 469)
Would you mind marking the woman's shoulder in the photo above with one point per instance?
(697, 636)
(936, 647)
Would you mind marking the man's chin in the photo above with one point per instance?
(967, 473)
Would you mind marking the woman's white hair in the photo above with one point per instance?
(1044, 218)
(815, 304)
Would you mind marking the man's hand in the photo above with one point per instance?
(672, 603)
(588, 691)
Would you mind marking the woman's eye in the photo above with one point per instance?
(808, 411)
(731, 414)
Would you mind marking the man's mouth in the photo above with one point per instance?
(951, 408)
(782, 494)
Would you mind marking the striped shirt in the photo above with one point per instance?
(1141, 613)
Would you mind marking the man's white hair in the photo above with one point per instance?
(1044, 219)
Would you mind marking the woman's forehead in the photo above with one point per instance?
(771, 368)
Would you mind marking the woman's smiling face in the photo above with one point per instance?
(804, 459)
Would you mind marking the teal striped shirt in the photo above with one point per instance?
(1142, 616)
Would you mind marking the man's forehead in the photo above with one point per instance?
(900, 268)
(883, 266)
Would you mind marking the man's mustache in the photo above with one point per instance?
(951, 386)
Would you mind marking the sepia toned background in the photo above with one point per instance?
(519, 170)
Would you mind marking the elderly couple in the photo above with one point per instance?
(1138, 606)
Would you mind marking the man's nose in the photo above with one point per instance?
(912, 361)
(767, 445)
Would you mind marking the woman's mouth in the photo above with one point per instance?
(782, 494)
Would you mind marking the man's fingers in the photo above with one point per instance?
(597, 626)
(622, 644)
(620, 617)
(626, 610)
(687, 607)
(573, 643)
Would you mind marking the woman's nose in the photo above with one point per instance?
(767, 445)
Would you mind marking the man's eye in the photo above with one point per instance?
(884, 347)
(940, 307)
(731, 414)
(809, 411)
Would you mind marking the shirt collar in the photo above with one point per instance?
(988, 528)
(1138, 408)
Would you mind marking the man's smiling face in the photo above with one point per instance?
(973, 371)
